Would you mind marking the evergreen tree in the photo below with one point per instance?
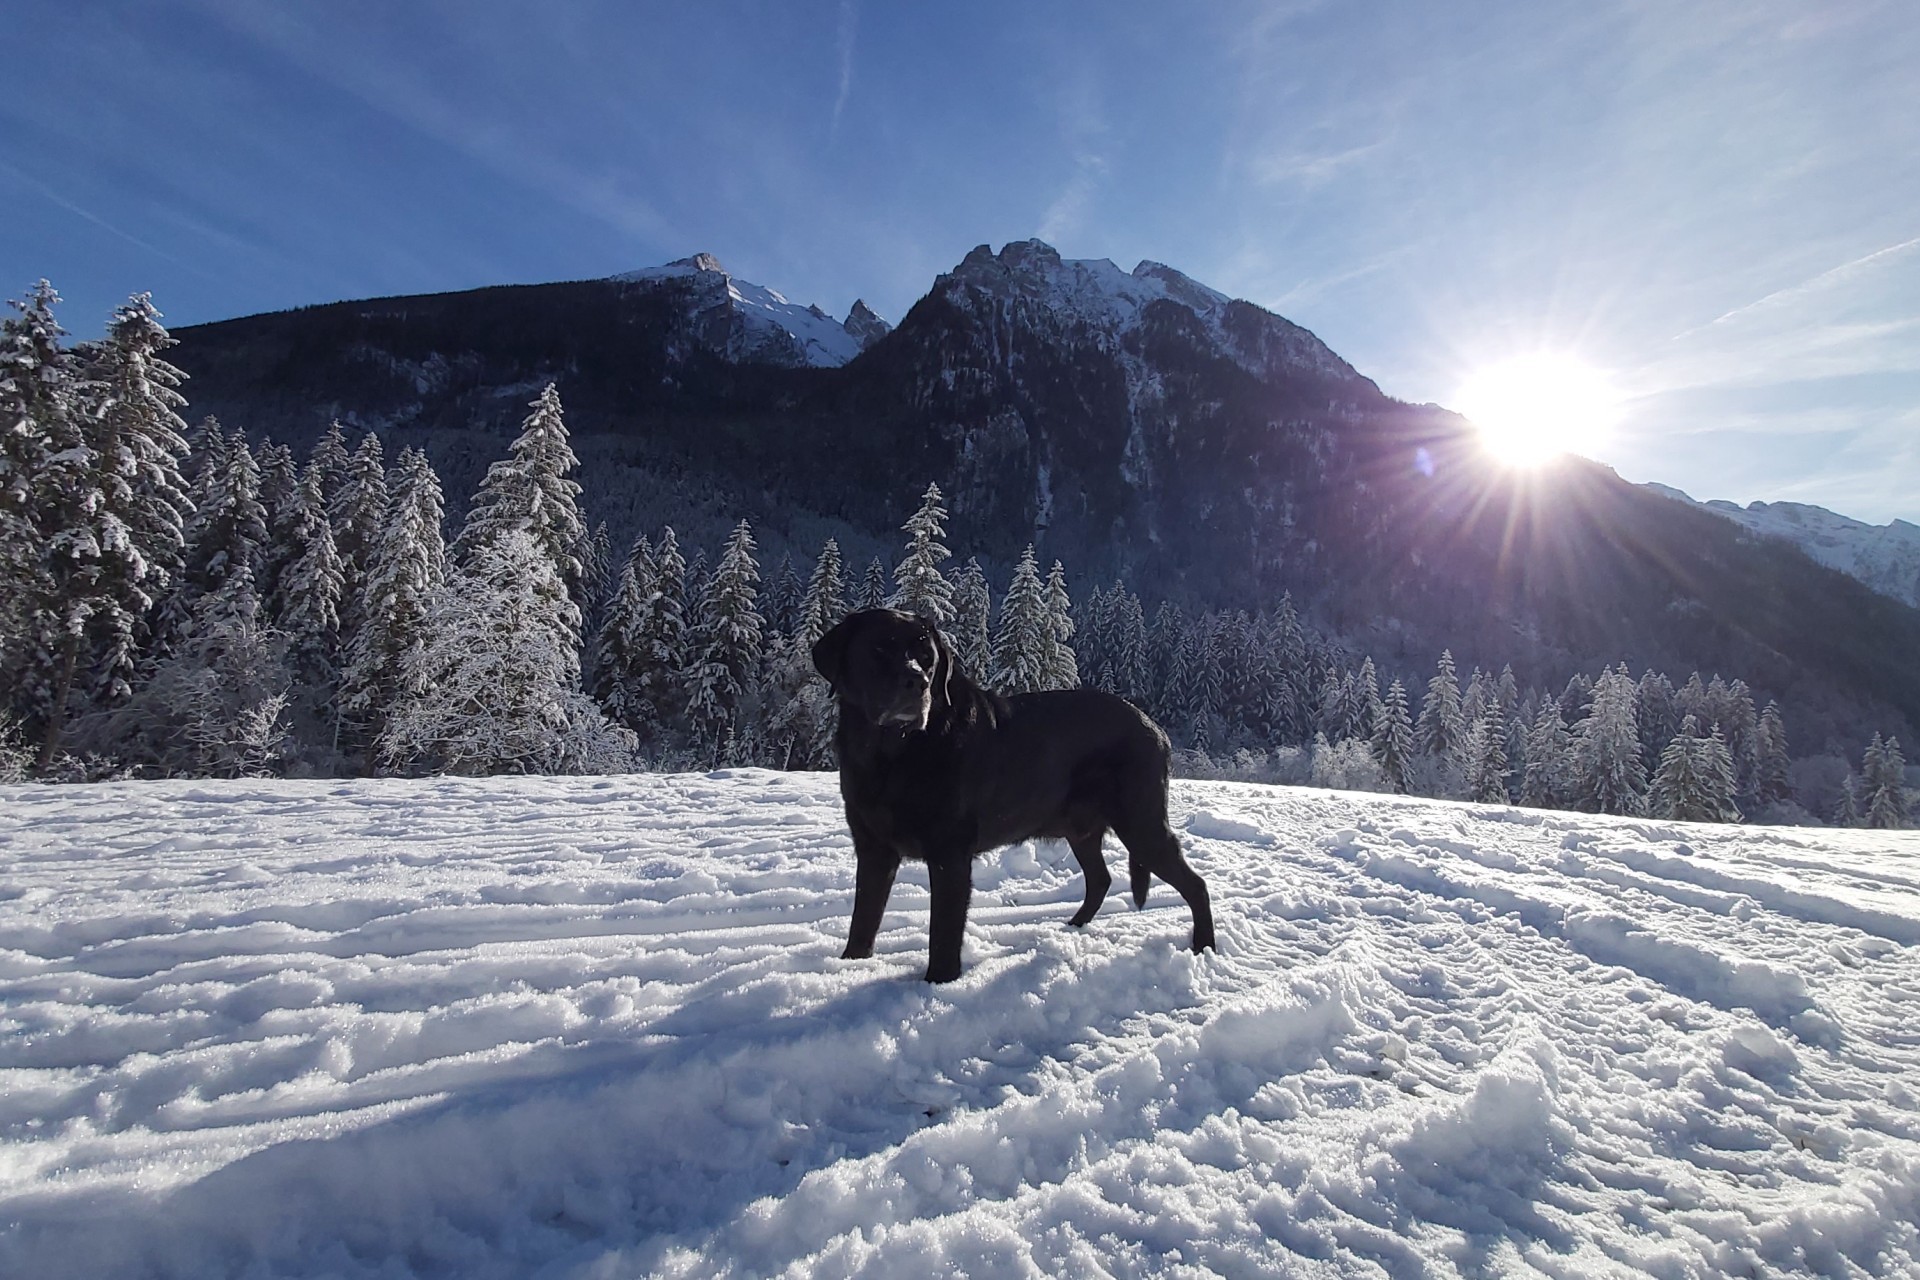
(308, 604)
(784, 595)
(1656, 717)
(873, 591)
(1165, 638)
(661, 658)
(1020, 644)
(332, 458)
(1486, 751)
(617, 649)
(406, 572)
(1062, 665)
(1441, 731)
(1606, 751)
(726, 646)
(1128, 646)
(279, 489)
(1846, 807)
(1695, 780)
(530, 492)
(494, 688)
(972, 620)
(359, 517)
(1365, 701)
(1883, 797)
(825, 602)
(229, 527)
(1772, 768)
(1545, 784)
(918, 585)
(1393, 736)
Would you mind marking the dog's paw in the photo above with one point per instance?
(942, 973)
(856, 953)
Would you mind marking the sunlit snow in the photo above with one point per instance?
(598, 1027)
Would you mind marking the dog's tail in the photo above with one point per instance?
(1141, 877)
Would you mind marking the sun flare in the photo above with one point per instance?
(1532, 408)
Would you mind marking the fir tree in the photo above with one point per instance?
(494, 688)
(1486, 752)
(1883, 794)
(332, 458)
(1846, 806)
(1128, 646)
(1695, 780)
(1020, 643)
(1061, 664)
(618, 647)
(407, 571)
(1393, 736)
(1545, 782)
(825, 601)
(873, 590)
(359, 516)
(530, 492)
(972, 620)
(918, 585)
(1772, 768)
(726, 645)
(1606, 752)
(1441, 732)
(660, 662)
(229, 527)
(784, 595)
(309, 595)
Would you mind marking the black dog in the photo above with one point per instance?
(935, 768)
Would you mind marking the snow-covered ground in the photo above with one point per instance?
(598, 1027)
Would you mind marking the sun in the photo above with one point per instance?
(1535, 407)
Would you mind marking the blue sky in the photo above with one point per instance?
(1716, 203)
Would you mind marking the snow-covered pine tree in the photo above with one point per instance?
(1196, 687)
(308, 604)
(784, 594)
(1655, 716)
(1392, 742)
(1441, 732)
(495, 686)
(726, 646)
(825, 601)
(1292, 703)
(1165, 638)
(359, 518)
(1883, 799)
(1061, 663)
(1846, 810)
(1546, 782)
(1018, 663)
(1129, 646)
(1606, 749)
(1486, 752)
(279, 483)
(873, 588)
(1473, 700)
(530, 491)
(229, 527)
(972, 620)
(405, 575)
(618, 648)
(332, 457)
(1365, 701)
(1695, 780)
(1336, 716)
(597, 569)
(661, 660)
(919, 587)
(1772, 767)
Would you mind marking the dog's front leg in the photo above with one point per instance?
(875, 865)
(951, 880)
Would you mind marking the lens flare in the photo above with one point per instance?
(1535, 407)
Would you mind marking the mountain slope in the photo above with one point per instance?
(1136, 424)
(1884, 556)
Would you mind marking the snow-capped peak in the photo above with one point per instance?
(1095, 292)
(865, 324)
(1885, 557)
(769, 327)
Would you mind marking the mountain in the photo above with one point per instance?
(1884, 556)
(1132, 424)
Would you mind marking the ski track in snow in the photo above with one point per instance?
(599, 1027)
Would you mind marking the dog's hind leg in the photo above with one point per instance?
(1086, 851)
(1153, 847)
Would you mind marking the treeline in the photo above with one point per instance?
(178, 602)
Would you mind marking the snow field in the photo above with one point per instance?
(598, 1027)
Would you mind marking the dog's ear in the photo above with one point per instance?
(942, 667)
(830, 653)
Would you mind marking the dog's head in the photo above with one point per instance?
(891, 668)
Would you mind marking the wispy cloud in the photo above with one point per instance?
(1842, 274)
(843, 45)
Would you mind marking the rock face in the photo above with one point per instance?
(1885, 557)
(1133, 424)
